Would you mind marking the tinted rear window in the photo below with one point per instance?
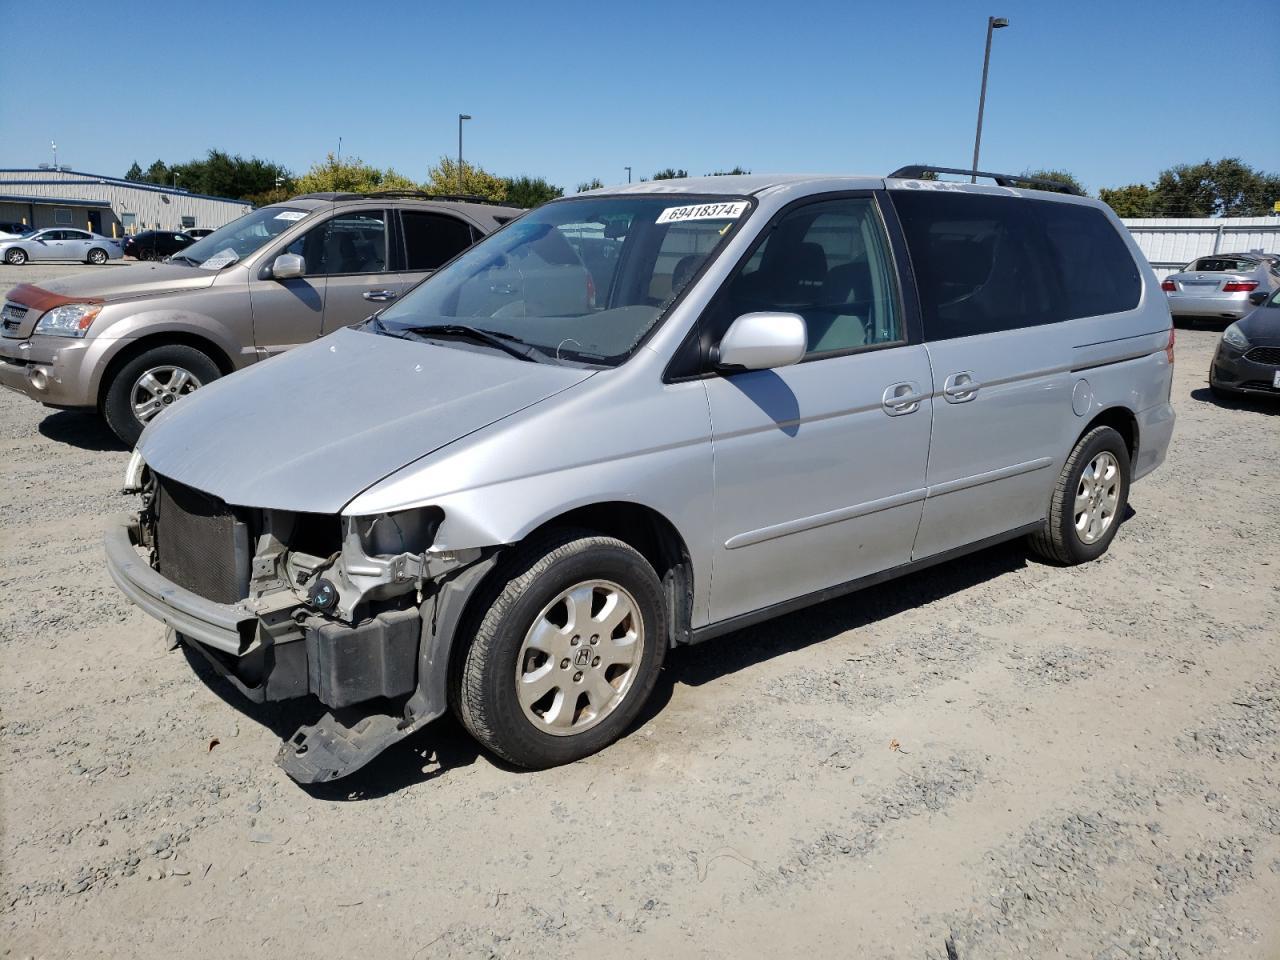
(989, 263)
(1224, 265)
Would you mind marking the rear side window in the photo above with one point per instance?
(984, 264)
(432, 239)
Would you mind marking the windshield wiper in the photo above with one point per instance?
(508, 343)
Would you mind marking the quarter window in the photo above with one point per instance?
(828, 262)
(432, 239)
(353, 243)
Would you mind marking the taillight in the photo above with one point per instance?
(1168, 347)
(1239, 286)
(1168, 285)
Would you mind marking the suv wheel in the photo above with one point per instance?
(98, 256)
(15, 257)
(1088, 500)
(152, 381)
(567, 652)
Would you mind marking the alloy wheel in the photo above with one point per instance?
(1097, 497)
(158, 387)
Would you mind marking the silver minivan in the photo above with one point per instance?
(640, 417)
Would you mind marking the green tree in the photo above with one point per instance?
(1062, 176)
(595, 183)
(1135, 200)
(134, 173)
(1225, 188)
(736, 171)
(158, 172)
(530, 191)
(471, 181)
(350, 175)
(670, 173)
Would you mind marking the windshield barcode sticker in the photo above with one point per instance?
(704, 211)
(290, 215)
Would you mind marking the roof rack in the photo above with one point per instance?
(917, 172)
(409, 194)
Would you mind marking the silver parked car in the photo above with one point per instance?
(132, 341)
(1221, 285)
(60, 243)
(641, 417)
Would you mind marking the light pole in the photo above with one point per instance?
(628, 169)
(55, 154)
(461, 117)
(993, 24)
(339, 151)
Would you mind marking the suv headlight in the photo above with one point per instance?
(1234, 336)
(68, 320)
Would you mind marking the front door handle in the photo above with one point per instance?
(960, 387)
(379, 296)
(902, 398)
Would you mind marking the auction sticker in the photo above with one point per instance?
(290, 215)
(704, 211)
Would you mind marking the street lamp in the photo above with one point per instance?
(628, 169)
(993, 24)
(461, 117)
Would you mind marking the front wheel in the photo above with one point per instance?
(567, 652)
(152, 381)
(1088, 500)
(15, 257)
(97, 256)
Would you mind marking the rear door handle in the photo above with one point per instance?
(960, 387)
(379, 296)
(902, 398)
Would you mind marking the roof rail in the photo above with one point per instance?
(917, 171)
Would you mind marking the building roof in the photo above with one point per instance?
(99, 178)
(53, 201)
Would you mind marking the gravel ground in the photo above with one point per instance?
(993, 758)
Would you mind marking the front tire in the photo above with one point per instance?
(97, 256)
(1088, 500)
(15, 257)
(152, 381)
(566, 653)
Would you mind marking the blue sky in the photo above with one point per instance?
(1114, 92)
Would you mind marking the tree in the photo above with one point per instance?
(1135, 200)
(530, 191)
(350, 175)
(158, 172)
(474, 181)
(670, 174)
(134, 173)
(736, 171)
(1062, 176)
(595, 183)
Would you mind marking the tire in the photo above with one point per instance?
(521, 621)
(1062, 541)
(15, 257)
(97, 256)
(165, 363)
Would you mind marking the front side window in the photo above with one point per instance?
(432, 239)
(828, 262)
(582, 279)
(242, 237)
(351, 243)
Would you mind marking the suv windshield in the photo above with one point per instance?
(582, 279)
(239, 238)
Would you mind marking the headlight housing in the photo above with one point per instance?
(1235, 337)
(68, 320)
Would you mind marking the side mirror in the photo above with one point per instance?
(288, 266)
(762, 341)
(1259, 297)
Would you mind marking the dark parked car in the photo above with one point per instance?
(156, 244)
(1248, 356)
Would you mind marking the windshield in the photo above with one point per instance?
(239, 238)
(576, 279)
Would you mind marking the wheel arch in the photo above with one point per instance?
(164, 338)
(1123, 421)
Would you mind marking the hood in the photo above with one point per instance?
(312, 428)
(123, 283)
(1262, 327)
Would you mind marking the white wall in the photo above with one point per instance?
(1171, 243)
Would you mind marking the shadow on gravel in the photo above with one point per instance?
(80, 428)
(1238, 401)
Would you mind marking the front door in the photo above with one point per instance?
(287, 313)
(820, 466)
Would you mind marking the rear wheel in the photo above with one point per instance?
(566, 653)
(15, 257)
(152, 381)
(98, 256)
(1088, 500)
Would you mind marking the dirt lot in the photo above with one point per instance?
(1023, 760)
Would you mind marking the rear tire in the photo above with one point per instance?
(15, 257)
(1088, 500)
(97, 256)
(177, 371)
(566, 653)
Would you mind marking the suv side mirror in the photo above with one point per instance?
(1259, 297)
(762, 341)
(288, 266)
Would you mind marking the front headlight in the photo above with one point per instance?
(1234, 336)
(69, 320)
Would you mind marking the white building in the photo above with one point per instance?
(45, 197)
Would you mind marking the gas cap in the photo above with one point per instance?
(1081, 398)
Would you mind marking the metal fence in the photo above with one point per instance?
(1171, 243)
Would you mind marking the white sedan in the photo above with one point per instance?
(60, 243)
